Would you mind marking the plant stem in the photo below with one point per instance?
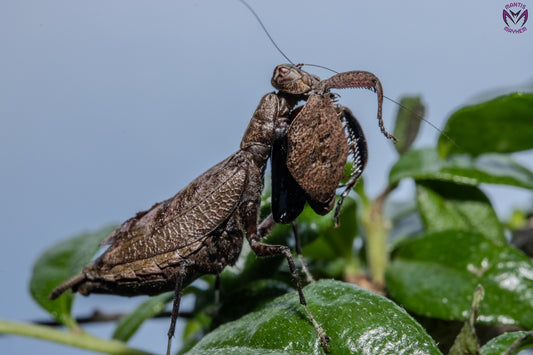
(377, 229)
(80, 340)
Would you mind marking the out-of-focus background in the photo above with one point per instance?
(108, 107)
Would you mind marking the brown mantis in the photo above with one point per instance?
(201, 229)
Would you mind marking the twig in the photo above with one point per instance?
(98, 317)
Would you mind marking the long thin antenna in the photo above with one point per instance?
(264, 29)
(320, 66)
(421, 118)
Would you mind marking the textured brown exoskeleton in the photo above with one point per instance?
(309, 156)
(198, 231)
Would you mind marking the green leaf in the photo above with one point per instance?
(445, 205)
(129, 324)
(425, 164)
(408, 119)
(57, 265)
(356, 320)
(502, 125)
(435, 276)
(502, 344)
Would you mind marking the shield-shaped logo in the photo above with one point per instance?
(515, 17)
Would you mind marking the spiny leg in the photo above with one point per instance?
(262, 249)
(266, 227)
(176, 305)
(360, 79)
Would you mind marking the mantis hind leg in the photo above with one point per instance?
(175, 308)
(262, 249)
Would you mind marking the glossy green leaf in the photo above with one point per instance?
(435, 276)
(501, 125)
(356, 320)
(502, 344)
(444, 205)
(425, 164)
(57, 265)
(408, 120)
(129, 324)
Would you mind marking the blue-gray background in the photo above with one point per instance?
(109, 106)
